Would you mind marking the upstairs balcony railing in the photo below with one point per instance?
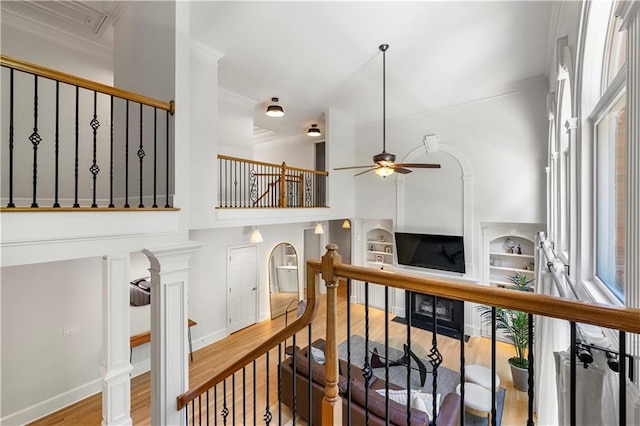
(68, 143)
(253, 184)
(351, 380)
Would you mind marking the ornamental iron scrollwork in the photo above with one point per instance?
(253, 187)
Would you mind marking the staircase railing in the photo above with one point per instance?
(247, 184)
(353, 370)
(71, 143)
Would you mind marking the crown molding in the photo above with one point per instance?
(527, 85)
(235, 98)
(92, 46)
(205, 53)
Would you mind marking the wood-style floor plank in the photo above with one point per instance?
(210, 359)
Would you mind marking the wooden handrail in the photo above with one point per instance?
(313, 267)
(619, 318)
(262, 163)
(41, 71)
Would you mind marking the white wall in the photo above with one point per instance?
(504, 139)
(235, 125)
(38, 362)
(295, 153)
(208, 274)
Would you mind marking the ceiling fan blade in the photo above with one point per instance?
(419, 165)
(352, 167)
(401, 170)
(361, 173)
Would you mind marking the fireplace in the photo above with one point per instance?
(449, 314)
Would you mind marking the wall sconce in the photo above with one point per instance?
(274, 110)
(314, 131)
(346, 224)
(256, 236)
(319, 229)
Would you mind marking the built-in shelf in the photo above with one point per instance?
(524, 256)
(505, 261)
(379, 248)
(502, 268)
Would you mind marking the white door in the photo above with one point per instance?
(242, 283)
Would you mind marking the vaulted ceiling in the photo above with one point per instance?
(314, 55)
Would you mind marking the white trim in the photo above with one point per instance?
(204, 52)
(55, 403)
(235, 98)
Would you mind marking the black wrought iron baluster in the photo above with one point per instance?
(11, 105)
(254, 392)
(199, 409)
(435, 357)
(56, 202)
(186, 415)
(386, 354)
(94, 169)
(348, 351)
(126, 159)
(622, 377)
(233, 398)
(279, 384)
(111, 205)
(35, 141)
(309, 382)
(193, 412)
(166, 171)
(215, 405)
(462, 367)
(572, 378)
(367, 372)
(530, 389)
(206, 412)
(408, 366)
(141, 155)
(267, 409)
(155, 156)
(244, 396)
(77, 151)
(493, 365)
(295, 379)
(235, 184)
(225, 409)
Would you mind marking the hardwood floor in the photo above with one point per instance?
(220, 354)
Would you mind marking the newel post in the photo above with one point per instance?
(331, 403)
(282, 201)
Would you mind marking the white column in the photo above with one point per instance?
(169, 364)
(630, 15)
(573, 218)
(115, 368)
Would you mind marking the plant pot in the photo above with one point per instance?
(520, 377)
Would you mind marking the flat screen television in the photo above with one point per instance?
(442, 252)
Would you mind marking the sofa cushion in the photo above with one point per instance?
(317, 372)
(397, 412)
(422, 401)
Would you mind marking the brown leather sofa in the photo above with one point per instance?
(449, 413)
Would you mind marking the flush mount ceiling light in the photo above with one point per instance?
(314, 131)
(319, 229)
(274, 110)
(346, 224)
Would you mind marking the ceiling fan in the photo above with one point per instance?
(385, 164)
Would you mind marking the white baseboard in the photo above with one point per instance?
(51, 405)
(141, 367)
(399, 312)
(203, 341)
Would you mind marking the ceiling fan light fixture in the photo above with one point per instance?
(274, 110)
(384, 171)
(314, 131)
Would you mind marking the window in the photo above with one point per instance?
(610, 145)
(610, 134)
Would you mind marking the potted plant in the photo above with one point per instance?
(516, 328)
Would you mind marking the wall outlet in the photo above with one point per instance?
(72, 329)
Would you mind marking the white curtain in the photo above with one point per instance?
(552, 335)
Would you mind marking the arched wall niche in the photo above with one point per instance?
(431, 144)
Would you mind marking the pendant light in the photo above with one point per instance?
(274, 110)
(256, 236)
(314, 131)
(346, 224)
(319, 229)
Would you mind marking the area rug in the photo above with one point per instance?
(447, 379)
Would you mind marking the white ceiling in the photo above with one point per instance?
(314, 55)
